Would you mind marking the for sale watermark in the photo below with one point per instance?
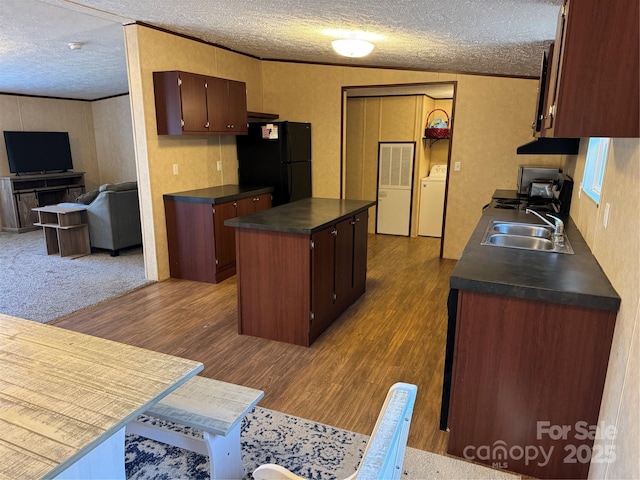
(500, 454)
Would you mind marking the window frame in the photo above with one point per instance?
(595, 165)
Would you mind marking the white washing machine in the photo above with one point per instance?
(432, 202)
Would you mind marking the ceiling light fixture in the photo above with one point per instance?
(352, 47)
(75, 45)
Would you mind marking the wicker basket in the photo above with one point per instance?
(436, 132)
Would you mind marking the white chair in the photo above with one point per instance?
(384, 454)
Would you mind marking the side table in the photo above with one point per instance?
(66, 231)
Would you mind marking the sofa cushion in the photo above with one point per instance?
(118, 187)
(87, 198)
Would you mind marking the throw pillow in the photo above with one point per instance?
(118, 187)
(87, 198)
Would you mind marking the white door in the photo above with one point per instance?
(395, 182)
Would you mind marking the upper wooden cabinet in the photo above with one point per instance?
(192, 104)
(590, 85)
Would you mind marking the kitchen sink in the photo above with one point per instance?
(525, 236)
(524, 230)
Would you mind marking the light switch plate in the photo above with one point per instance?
(605, 216)
(175, 168)
(456, 166)
(219, 165)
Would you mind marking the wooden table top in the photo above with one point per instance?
(62, 393)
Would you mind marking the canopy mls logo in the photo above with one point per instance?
(499, 453)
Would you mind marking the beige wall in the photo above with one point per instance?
(149, 50)
(617, 249)
(46, 114)
(493, 117)
(114, 139)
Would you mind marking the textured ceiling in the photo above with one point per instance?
(503, 37)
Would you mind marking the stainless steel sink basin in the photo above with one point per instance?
(522, 229)
(517, 241)
(525, 236)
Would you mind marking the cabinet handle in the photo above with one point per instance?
(206, 125)
(235, 204)
(334, 232)
(255, 199)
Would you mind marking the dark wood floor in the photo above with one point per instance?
(395, 332)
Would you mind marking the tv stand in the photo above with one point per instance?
(19, 194)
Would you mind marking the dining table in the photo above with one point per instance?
(66, 397)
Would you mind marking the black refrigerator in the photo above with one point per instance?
(277, 154)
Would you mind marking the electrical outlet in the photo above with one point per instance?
(175, 168)
(605, 216)
(456, 166)
(219, 165)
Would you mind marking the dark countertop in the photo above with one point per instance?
(553, 277)
(219, 194)
(304, 216)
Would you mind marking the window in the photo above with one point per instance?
(594, 168)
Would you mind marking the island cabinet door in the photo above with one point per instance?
(344, 265)
(360, 238)
(322, 281)
(225, 246)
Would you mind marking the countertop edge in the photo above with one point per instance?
(259, 224)
(476, 270)
(213, 199)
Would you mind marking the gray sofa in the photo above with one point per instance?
(113, 213)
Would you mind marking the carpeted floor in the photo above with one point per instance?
(311, 450)
(41, 287)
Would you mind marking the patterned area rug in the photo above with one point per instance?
(311, 450)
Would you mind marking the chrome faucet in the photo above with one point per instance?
(558, 225)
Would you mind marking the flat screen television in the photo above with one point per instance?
(38, 152)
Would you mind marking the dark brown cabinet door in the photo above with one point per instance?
(322, 281)
(193, 95)
(217, 104)
(237, 107)
(591, 74)
(253, 204)
(262, 202)
(360, 238)
(344, 264)
(226, 106)
(225, 248)
(245, 206)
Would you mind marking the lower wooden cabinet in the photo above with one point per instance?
(527, 384)
(293, 286)
(201, 247)
(338, 270)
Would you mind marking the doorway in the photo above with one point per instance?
(393, 113)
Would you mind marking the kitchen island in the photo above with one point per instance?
(533, 333)
(299, 267)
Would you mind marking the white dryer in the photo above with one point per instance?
(432, 202)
